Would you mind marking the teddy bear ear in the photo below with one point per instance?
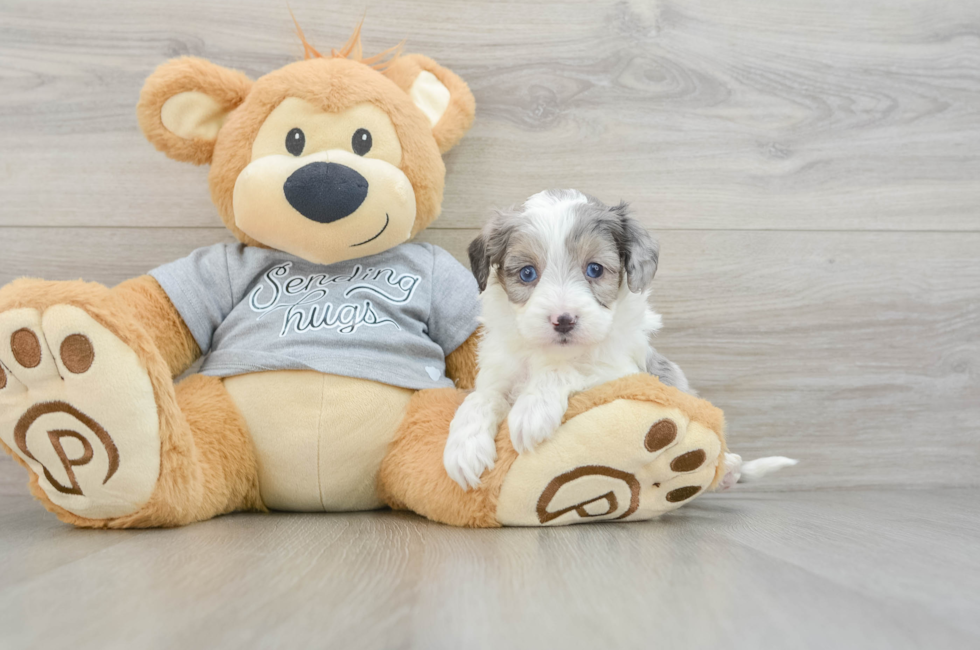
(184, 103)
(444, 98)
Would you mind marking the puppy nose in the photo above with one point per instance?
(564, 323)
(325, 192)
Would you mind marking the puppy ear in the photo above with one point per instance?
(637, 249)
(184, 103)
(490, 247)
(439, 93)
(480, 258)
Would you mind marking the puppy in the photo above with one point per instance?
(565, 281)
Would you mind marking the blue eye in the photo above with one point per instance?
(594, 270)
(529, 274)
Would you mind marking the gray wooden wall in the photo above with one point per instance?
(811, 168)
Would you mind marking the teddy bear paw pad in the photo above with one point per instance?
(77, 406)
(622, 461)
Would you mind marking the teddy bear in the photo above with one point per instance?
(333, 349)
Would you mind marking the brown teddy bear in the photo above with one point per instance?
(336, 349)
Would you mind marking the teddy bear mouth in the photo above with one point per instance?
(383, 228)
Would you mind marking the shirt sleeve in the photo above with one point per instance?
(455, 302)
(200, 287)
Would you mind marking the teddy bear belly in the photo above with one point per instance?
(319, 439)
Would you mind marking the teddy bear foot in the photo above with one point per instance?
(628, 450)
(634, 456)
(77, 407)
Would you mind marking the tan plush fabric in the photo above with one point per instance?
(461, 364)
(319, 438)
(227, 88)
(207, 466)
(645, 388)
(412, 476)
(331, 84)
(193, 115)
(458, 115)
(597, 467)
(334, 85)
(72, 427)
(149, 305)
(430, 95)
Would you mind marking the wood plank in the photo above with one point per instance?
(890, 569)
(22, 530)
(806, 114)
(856, 352)
(13, 479)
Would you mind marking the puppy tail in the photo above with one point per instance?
(739, 471)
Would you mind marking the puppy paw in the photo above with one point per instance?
(533, 420)
(470, 449)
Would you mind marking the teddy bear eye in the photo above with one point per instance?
(361, 142)
(295, 141)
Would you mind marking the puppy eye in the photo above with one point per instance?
(594, 270)
(528, 274)
(295, 141)
(361, 142)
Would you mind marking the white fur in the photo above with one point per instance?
(530, 370)
(739, 471)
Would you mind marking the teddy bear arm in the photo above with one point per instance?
(152, 309)
(461, 363)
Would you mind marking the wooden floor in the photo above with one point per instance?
(812, 170)
(829, 569)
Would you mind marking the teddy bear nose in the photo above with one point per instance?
(325, 192)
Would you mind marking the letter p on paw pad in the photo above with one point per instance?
(78, 408)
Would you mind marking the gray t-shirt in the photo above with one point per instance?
(391, 317)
